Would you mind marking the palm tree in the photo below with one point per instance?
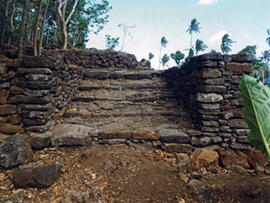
(268, 38)
(165, 60)
(226, 44)
(126, 31)
(163, 43)
(148, 62)
(200, 46)
(193, 27)
(150, 56)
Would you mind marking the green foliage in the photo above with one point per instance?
(226, 44)
(148, 63)
(266, 57)
(200, 46)
(165, 59)
(89, 17)
(250, 50)
(256, 99)
(213, 51)
(111, 42)
(190, 54)
(177, 57)
(163, 42)
(259, 70)
(150, 56)
(194, 26)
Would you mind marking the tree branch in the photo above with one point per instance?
(72, 11)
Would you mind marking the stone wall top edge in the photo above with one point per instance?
(241, 57)
(87, 51)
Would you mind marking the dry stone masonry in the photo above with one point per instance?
(208, 88)
(79, 97)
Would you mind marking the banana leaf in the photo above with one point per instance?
(256, 100)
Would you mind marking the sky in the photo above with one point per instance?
(246, 21)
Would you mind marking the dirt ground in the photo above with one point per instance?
(123, 173)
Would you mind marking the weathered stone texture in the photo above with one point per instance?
(117, 86)
(14, 151)
(39, 176)
(7, 109)
(68, 135)
(208, 87)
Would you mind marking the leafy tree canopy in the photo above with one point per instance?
(89, 17)
(251, 50)
(111, 42)
(177, 57)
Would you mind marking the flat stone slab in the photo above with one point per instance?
(72, 134)
(168, 135)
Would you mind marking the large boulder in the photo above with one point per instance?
(229, 158)
(205, 158)
(14, 151)
(72, 134)
(39, 176)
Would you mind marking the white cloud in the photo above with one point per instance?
(217, 37)
(207, 2)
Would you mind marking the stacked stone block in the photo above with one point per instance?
(10, 120)
(35, 93)
(208, 87)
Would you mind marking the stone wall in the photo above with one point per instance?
(10, 120)
(35, 93)
(96, 59)
(208, 87)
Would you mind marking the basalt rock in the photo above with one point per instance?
(38, 176)
(14, 151)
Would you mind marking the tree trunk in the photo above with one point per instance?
(159, 59)
(42, 28)
(61, 12)
(5, 22)
(27, 40)
(11, 22)
(122, 47)
(190, 40)
(65, 36)
(35, 36)
(22, 28)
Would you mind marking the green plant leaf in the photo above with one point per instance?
(256, 100)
